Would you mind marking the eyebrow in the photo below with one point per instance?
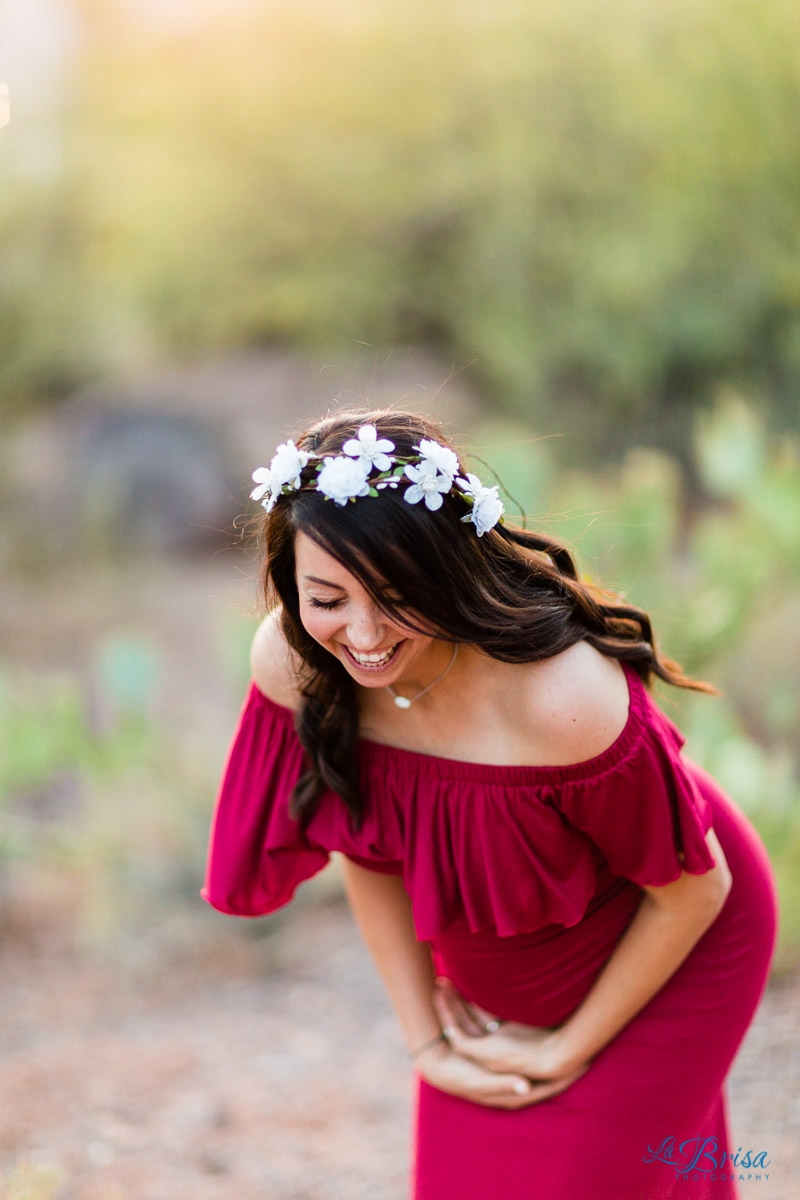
(324, 582)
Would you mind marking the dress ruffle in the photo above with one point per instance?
(513, 848)
(257, 855)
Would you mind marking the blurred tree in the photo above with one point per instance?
(46, 298)
(596, 203)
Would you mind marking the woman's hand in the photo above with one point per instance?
(447, 1070)
(507, 1047)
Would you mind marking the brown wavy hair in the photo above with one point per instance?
(512, 592)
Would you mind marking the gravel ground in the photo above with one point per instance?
(265, 1064)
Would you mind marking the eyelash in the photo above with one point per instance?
(329, 603)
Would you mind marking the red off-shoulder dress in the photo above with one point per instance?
(523, 879)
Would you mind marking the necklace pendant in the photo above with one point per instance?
(404, 702)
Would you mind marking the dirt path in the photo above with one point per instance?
(261, 1068)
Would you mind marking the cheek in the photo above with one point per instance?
(413, 635)
(319, 624)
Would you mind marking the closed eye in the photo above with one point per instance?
(323, 603)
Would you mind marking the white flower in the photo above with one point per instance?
(487, 510)
(370, 449)
(442, 458)
(487, 507)
(286, 466)
(261, 476)
(471, 485)
(343, 478)
(283, 471)
(427, 485)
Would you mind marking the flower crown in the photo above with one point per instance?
(367, 465)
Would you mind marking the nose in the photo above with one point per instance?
(365, 628)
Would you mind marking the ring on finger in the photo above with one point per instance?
(492, 1026)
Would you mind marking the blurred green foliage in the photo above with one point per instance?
(598, 204)
(707, 574)
(116, 802)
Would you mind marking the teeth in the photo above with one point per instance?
(374, 658)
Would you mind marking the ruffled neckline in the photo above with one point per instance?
(383, 755)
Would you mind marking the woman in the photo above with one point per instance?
(573, 922)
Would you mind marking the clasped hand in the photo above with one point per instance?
(512, 1066)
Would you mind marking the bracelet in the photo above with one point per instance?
(439, 1038)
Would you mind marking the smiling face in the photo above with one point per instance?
(339, 613)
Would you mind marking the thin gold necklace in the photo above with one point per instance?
(405, 702)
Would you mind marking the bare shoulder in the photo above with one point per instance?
(273, 663)
(578, 704)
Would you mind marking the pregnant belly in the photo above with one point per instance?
(540, 977)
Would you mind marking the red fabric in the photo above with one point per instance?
(510, 847)
(523, 879)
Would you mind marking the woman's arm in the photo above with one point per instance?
(382, 909)
(668, 923)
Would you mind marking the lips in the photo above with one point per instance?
(372, 667)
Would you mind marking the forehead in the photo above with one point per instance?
(312, 560)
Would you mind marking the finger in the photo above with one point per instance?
(519, 1092)
(453, 1011)
(485, 1021)
(444, 1011)
(478, 1016)
(513, 1088)
(467, 1018)
(480, 1050)
(462, 1010)
(549, 1088)
(452, 1018)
